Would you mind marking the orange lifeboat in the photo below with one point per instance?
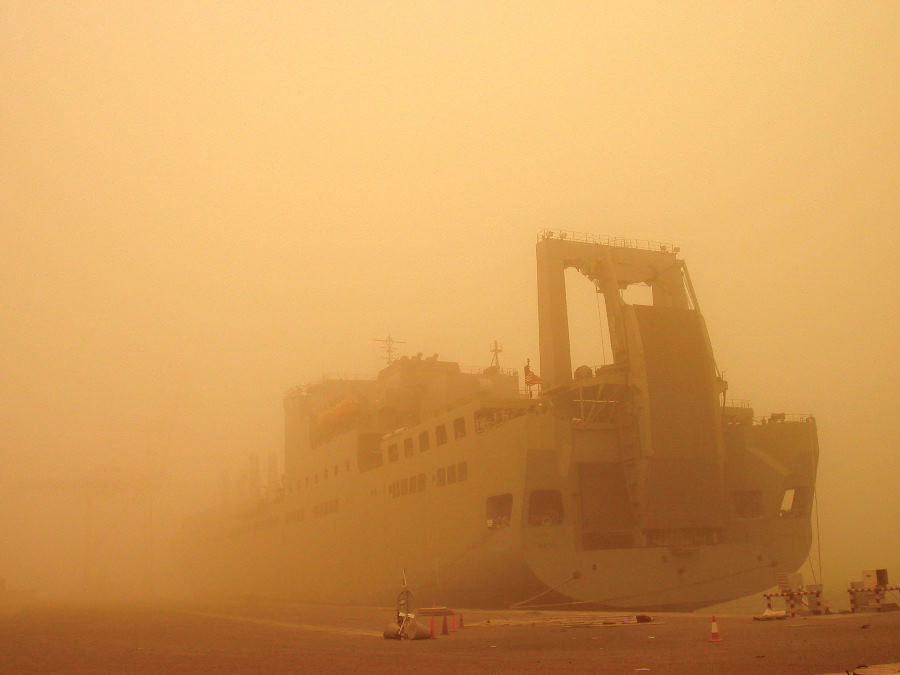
(338, 413)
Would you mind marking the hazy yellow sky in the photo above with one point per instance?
(203, 204)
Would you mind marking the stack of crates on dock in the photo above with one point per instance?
(797, 598)
(868, 595)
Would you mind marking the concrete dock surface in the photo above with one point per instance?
(278, 637)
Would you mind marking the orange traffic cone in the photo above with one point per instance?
(444, 629)
(453, 623)
(714, 637)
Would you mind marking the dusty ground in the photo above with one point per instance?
(291, 638)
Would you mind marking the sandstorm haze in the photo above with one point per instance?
(205, 204)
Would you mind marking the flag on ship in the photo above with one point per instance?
(531, 379)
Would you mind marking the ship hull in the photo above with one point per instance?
(358, 546)
(633, 484)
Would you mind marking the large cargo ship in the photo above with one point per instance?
(634, 484)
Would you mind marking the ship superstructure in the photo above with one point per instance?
(634, 484)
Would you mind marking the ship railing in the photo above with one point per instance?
(777, 418)
(618, 242)
(488, 418)
(476, 370)
(737, 403)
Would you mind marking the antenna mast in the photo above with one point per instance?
(389, 343)
(495, 359)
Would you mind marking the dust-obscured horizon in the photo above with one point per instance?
(204, 204)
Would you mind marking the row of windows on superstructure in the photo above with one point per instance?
(424, 438)
(409, 449)
(446, 475)
(314, 478)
